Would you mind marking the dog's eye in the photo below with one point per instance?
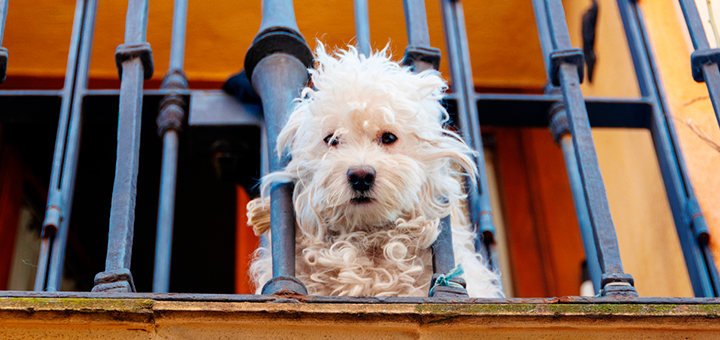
(329, 140)
(388, 138)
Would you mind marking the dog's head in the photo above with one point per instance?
(368, 145)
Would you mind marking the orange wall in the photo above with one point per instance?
(220, 31)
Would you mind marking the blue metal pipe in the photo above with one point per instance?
(169, 121)
(163, 249)
(3, 51)
(276, 64)
(469, 124)
(581, 211)
(362, 26)
(3, 16)
(67, 147)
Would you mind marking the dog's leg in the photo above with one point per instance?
(258, 215)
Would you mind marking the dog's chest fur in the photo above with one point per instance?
(386, 261)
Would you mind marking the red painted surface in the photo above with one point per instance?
(245, 242)
(11, 189)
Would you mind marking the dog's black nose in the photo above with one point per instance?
(361, 178)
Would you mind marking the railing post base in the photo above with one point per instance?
(284, 285)
(618, 285)
(116, 281)
(449, 292)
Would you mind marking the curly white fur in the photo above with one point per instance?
(379, 248)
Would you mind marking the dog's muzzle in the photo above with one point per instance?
(361, 178)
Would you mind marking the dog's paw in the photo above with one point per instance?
(258, 215)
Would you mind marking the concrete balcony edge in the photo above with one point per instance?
(143, 318)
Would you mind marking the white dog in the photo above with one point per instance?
(374, 172)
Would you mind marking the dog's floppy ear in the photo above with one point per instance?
(290, 132)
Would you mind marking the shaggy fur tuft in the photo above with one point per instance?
(374, 243)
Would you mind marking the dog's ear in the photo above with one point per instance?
(289, 135)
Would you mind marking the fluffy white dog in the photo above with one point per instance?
(374, 172)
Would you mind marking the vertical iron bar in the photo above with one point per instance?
(276, 64)
(421, 57)
(565, 70)
(463, 84)
(3, 51)
(3, 16)
(582, 211)
(135, 64)
(690, 223)
(704, 60)
(170, 119)
(67, 147)
(416, 23)
(362, 26)
(694, 24)
(177, 46)
(418, 53)
(561, 132)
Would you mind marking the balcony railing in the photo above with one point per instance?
(277, 63)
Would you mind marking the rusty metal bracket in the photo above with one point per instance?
(175, 79)
(425, 54)
(130, 51)
(3, 63)
(702, 57)
(120, 280)
(172, 114)
(559, 125)
(573, 56)
(277, 40)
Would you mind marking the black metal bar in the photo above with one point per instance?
(276, 64)
(566, 71)
(134, 61)
(362, 26)
(3, 51)
(704, 60)
(469, 124)
(561, 132)
(170, 120)
(689, 221)
(67, 147)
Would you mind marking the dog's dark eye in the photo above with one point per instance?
(329, 140)
(388, 138)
